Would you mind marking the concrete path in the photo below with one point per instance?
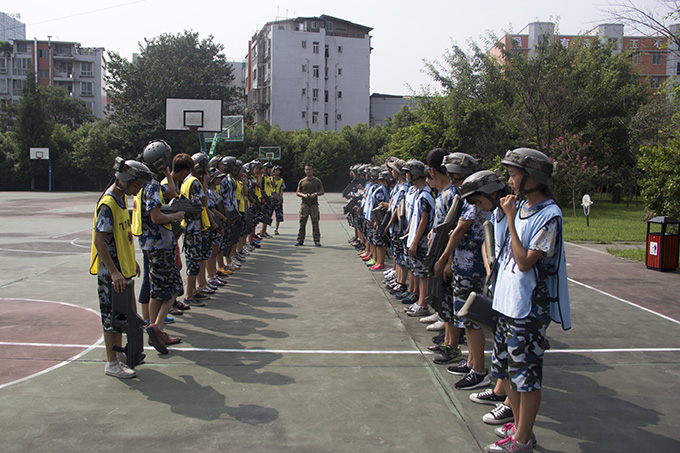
(303, 351)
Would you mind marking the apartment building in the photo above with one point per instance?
(11, 27)
(77, 69)
(657, 59)
(309, 72)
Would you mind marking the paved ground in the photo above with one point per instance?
(304, 352)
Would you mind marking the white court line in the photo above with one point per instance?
(40, 251)
(337, 352)
(87, 348)
(667, 318)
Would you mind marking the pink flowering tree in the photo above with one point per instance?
(578, 170)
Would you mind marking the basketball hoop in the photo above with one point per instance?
(193, 128)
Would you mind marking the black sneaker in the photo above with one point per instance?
(487, 397)
(461, 369)
(447, 355)
(438, 339)
(473, 380)
(501, 415)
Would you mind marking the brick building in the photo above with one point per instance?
(657, 59)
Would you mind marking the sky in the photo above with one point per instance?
(404, 35)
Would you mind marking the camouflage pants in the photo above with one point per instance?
(311, 211)
(519, 345)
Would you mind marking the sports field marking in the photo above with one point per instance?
(667, 318)
(40, 251)
(87, 348)
(335, 352)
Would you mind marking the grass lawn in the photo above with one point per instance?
(635, 254)
(609, 223)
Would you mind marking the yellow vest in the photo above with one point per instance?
(277, 183)
(239, 196)
(268, 189)
(185, 189)
(137, 212)
(122, 236)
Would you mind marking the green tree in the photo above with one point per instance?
(33, 129)
(177, 66)
(64, 109)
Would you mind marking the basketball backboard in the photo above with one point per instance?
(39, 153)
(269, 153)
(197, 115)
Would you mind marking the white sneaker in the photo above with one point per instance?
(430, 319)
(116, 370)
(411, 307)
(437, 326)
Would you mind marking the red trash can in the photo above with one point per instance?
(662, 246)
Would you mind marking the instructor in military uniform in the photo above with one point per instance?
(309, 189)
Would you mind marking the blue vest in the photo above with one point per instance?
(426, 194)
(513, 289)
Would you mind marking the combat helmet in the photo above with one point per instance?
(157, 155)
(483, 182)
(415, 168)
(130, 170)
(460, 163)
(200, 163)
(534, 163)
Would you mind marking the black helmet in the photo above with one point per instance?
(415, 167)
(277, 167)
(536, 164)
(130, 170)
(460, 163)
(157, 155)
(484, 182)
(200, 163)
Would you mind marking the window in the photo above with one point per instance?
(633, 43)
(315, 117)
(325, 118)
(329, 26)
(90, 105)
(43, 53)
(4, 86)
(326, 51)
(304, 44)
(87, 68)
(339, 71)
(635, 58)
(3, 65)
(339, 116)
(304, 114)
(304, 91)
(325, 72)
(42, 74)
(325, 96)
(21, 47)
(304, 68)
(16, 87)
(655, 82)
(339, 94)
(657, 58)
(339, 49)
(315, 71)
(86, 89)
(315, 93)
(21, 65)
(315, 47)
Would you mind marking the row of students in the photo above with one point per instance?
(528, 282)
(215, 242)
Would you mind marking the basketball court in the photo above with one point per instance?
(303, 351)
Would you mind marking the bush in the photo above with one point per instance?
(661, 178)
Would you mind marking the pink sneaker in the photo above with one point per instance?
(377, 267)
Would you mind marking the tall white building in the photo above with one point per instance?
(11, 27)
(309, 72)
